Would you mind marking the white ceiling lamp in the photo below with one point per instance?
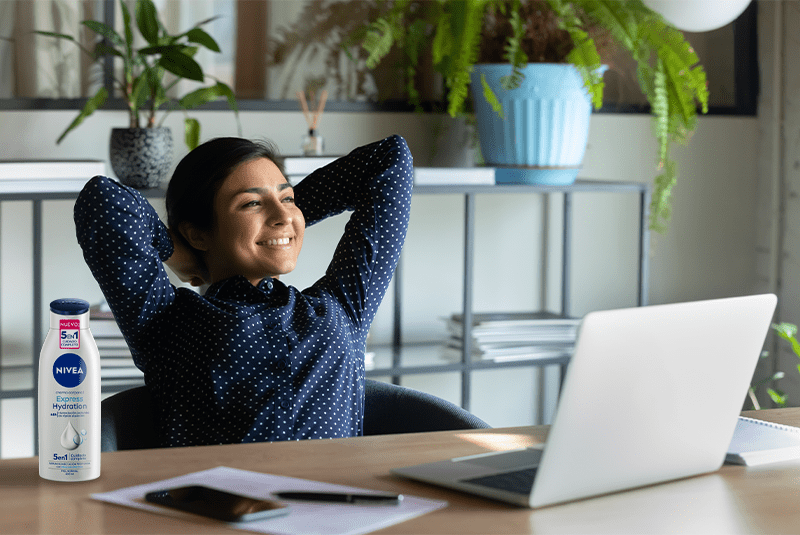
(698, 15)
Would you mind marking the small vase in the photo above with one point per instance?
(141, 157)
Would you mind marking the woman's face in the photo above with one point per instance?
(258, 229)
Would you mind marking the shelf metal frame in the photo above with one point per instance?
(470, 192)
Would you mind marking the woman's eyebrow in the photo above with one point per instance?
(281, 187)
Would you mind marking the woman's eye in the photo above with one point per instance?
(288, 199)
(251, 203)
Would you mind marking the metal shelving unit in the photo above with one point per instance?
(470, 192)
(396, 369)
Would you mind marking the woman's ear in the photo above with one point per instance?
(196, 237)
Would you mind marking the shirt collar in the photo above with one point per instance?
(239, 288)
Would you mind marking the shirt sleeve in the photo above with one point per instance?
(124, 244)
(375, 182)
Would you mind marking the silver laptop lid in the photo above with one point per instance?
(651, 394)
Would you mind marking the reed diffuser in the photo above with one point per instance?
(312, 144)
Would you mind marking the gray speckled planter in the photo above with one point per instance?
(141, 157)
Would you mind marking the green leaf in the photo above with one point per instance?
(514, 53)
(91, 105)
(68, 38)
(442, 40)
(147, 20)
(226, 91)
(788, 331)
(101, 49)
(778, 397)
(466, 22)
(129, 56)
(191, 132)
(54, 34)
(196, 35)
(181, 65)
(105, 31)
(199, 97)
(491, 98)
(378, 42)
(785, 330)
(139, 93)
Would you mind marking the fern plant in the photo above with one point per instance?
(457, 32)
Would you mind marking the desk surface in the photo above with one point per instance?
(734, 500)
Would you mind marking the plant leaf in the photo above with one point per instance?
(491, 98)
(101, 49)
(54, 34)
(105, 31)
(199, 36)
(378, 42)
(181, 65)
(788, 332)
(778, 397)
(130, 59)
(466, 23)
(199, 97)
(191, 132)
(147, 20)
(91, 105)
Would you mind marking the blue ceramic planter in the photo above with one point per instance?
(542, 138)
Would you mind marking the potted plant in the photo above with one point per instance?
(459, 34)
(141, 154)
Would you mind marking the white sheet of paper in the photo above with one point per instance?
(306, 518)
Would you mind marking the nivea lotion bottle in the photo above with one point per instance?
(69, 396)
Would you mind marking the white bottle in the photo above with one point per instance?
(69, 396)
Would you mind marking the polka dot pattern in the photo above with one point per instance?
(246, 363)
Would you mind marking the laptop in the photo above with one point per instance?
(651, 394)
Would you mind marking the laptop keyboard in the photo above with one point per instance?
(519, 481)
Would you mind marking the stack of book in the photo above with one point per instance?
(503, 337)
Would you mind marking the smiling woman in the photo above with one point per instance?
(256, 229)
(251, 359)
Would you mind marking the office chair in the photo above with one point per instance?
(126, 418)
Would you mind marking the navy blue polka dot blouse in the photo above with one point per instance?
(246, 363)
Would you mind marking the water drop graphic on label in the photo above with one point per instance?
(70, 439)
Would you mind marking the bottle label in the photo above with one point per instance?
(69, 370)
(69, 334)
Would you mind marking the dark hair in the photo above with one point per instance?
(199, 175)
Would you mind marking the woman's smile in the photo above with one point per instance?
(278, 241)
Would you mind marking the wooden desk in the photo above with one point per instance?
(734, 500)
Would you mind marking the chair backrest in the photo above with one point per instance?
(127, 421)
(391, 409)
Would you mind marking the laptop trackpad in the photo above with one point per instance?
(507, 460)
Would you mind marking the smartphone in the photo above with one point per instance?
(217, 504)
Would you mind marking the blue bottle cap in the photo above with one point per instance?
(69, 307)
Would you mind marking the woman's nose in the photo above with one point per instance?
(279, 214)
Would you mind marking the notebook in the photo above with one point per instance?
(758, 442)
(651, 394)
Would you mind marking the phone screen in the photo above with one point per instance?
(217, 504)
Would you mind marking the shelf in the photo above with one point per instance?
(396, 360)
(426, 358)
(580, 186)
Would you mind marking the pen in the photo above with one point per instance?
(341, 497)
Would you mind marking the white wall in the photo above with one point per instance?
(708, 251)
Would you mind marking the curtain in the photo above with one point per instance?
(34, 66)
